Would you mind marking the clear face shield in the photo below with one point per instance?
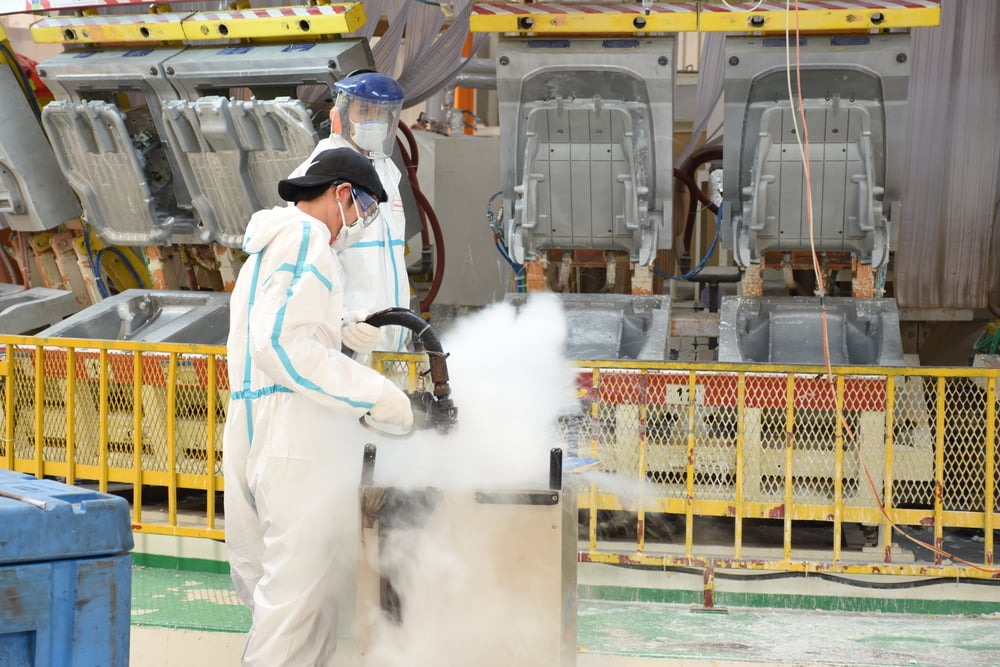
(369, 124)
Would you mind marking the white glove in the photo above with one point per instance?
(360, 337)
(393, 407)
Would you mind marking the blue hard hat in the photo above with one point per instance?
(371, 86)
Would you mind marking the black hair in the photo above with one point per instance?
(309, 194)
(317, 191)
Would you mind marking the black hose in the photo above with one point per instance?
(403, 317)
(685, 173)
(827, 576)
(440, 409)
(428, 220)
(428, 338)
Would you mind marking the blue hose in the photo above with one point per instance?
(704, 260)
(118, 253)
(98, 280)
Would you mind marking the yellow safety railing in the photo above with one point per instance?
(891, 450)
(149, 416)
(895, 452)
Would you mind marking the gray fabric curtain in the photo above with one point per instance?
(430, 57)
(946, 255)
(711, 77)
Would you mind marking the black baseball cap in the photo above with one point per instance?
(337, 165)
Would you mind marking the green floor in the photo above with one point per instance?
(187, 600)
(655, 629)
(787, 638)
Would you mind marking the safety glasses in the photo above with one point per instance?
(367, 206)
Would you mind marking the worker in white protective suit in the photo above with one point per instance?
(364, 117)
(294, 393)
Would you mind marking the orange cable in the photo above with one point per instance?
(826, 336)
(807, 168)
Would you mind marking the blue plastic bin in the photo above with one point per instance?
(65, 575)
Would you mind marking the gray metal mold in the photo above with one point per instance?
(232, 154)
(613, 326)
(789, 330)
(854, 91)
(115, 157)
(34, 195)
(268, 70)
(154, 316)
(588, 121)
(24, 311)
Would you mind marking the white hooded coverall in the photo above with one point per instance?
(375, 266)
(293, 395)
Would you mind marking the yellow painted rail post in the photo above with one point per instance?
(838, 473)
(172, 439)
(102, 412)
(689, 499)
(939, 472)
(641, 513)
(741, 395)
(210, 445)
(137, 436)
(71, 415)
(890, 440)
(991, 452)
(8, 365)
(39, 409)
(595, 431)
(789, 445)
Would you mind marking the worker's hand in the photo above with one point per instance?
(393, 407)
(359, 336)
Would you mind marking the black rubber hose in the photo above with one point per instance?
(429, 222)
(685, 173)
(428, 338)
(403, 317)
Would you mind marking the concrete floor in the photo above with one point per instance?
(182, 617)
(162, 647)
(668, 636)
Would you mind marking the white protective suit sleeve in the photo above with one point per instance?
(290, 342)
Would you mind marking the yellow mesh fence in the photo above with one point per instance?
(875, 448)
(893, 451)
(141, 418)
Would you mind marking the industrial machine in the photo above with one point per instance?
(160, 134)
(813, 183)
(161, 316)
(404, 591)
(167, 129)
(497, 565)
(850, 112)
(588, 170)
(588, 174)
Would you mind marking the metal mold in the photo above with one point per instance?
(789, 330)
(854, 92)
(589, 121)
(613, 326)
(151, 316)
(26, 311)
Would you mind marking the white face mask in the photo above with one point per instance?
(370, 135)
(348, 236)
